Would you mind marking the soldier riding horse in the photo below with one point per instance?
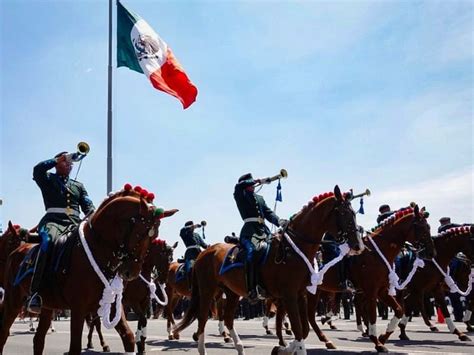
(113, 241)
(285, 273)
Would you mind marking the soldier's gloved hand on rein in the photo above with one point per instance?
(283, 223)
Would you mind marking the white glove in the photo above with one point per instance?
(283, 223)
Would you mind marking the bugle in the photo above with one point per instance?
(282, 175)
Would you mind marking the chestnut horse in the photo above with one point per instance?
(117, 236)
(408, 224)
(461, 276)
(137, 293)
(430, 280)
(285, 274)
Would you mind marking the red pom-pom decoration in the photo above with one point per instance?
(143, 193)
(150, 197)
(127, 187)
(315, 199)
(138, 188)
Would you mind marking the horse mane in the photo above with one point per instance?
(454, 231)
(394, 218)
(159, 242)
(315, 201)
(128, 190)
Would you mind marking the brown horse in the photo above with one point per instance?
(285, 274)
(408, 224)
(430, 280)
(9, 241)
(138, 293)
(461, 276)
(116, 238)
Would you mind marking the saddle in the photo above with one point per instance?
(236, 256)
(181, 273)
(59, 259)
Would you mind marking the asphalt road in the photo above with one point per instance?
(346, 338)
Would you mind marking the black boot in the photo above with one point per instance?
(250, 277)
(34, 302)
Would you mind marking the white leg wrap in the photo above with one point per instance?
(467, 316)
(295, 347)
(237, 342)
(31, 323)
(138, 335)
(129, 353)
(360, 328)
(201, 345)
(220, 327)
(330, 314)
(393, 324)
(450, 324)
(265, 322)
(144, 332)
(404, 320)
(373, 329)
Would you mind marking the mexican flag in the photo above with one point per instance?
(141, 49)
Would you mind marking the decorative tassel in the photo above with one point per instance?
(278, 196)
(361, 208)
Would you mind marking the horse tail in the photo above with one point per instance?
(192, 311)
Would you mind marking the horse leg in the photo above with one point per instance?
(297, 346)
(170, 317)
(439, 297)
(467, 320)
(303, 309)
(286, 323)
(140, 336)
(90, 325)
(280, 314)
(126, 334)
(76, 326)
(268, 307)
(231, 305)
(205, 300)
(96, 324)
(31, 324)
(372, 318)
(221, 307)
(12, 305)
(45, 320)
(313, 301)
(391, 302)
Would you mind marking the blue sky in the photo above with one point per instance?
(375, 94)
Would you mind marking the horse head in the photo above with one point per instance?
(128, 221)
(13, 237)
(411, 224)
(331, 212)
(161, 256)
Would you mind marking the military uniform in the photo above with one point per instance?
(254, 211)
(62, 199)
(193, 243)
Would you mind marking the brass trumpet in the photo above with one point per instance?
(82, 150)
(282, 175)
(365, 193)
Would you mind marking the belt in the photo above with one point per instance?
(65, 210)
(254, 219)
(193, 247)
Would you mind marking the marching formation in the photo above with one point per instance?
(317, 256)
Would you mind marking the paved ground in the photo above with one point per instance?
(346, 338)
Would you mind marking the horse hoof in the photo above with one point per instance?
(227, 339)
(365, 335)
(333, 327)
(195, 337)
(106, 349)
(288, 332)
(275, 350)
(32, 329)
(90, 346)
(403, 337)
(330, 345)
(170, 337)
(381, 349)
(53, 330)
(269, 332)
(464, 337)
(434, 329)
(383, 338)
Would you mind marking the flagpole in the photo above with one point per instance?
(109, 107)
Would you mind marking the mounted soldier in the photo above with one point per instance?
(194, 243)
(384, 212)
(62, 197)
(254, 211)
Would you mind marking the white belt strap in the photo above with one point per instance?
(62, 210)
(254, 219)
(193, 247)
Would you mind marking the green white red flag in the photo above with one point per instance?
(141, 49)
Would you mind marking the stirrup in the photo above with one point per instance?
(35, 302)
(261, 293)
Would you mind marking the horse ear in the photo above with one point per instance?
(11, 228)
(174, 246)
(417, 211)
(169, 213)
(337, 192)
